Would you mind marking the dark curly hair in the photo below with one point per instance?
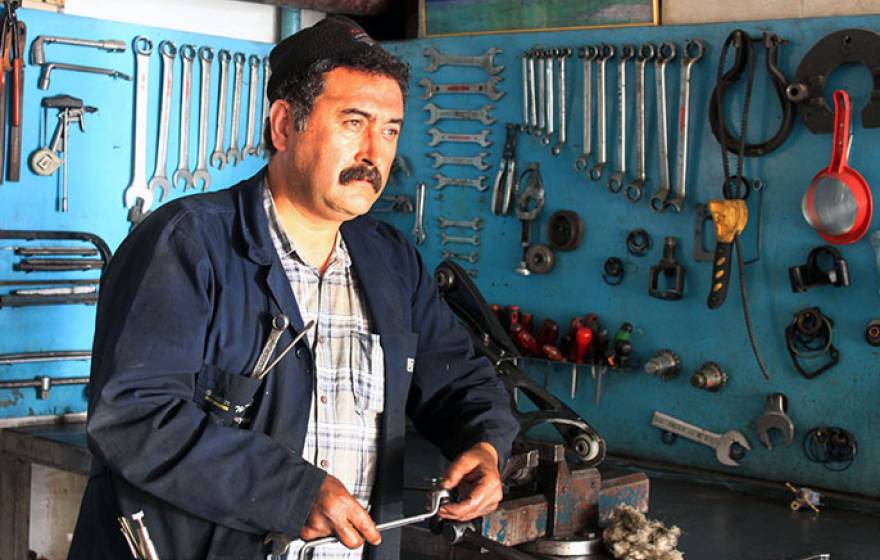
(302, 91)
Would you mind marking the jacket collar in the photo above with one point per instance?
(254, 224)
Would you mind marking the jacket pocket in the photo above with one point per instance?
(367, 364)
(226, 397)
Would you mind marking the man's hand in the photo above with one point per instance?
(481, 491)
(337, 512)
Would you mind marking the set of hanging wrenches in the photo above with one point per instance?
(140, 194)
(486, 61)
(543, 68)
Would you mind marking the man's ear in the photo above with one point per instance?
(281, 124)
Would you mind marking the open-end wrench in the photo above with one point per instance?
(484, 61)
(588, 54)
(721, 443)
(549, 63)
(481, 114)
(486, 88)
(477, 161)
(533, 102)
(688, 60)
(471, 258)
(260, 150)
(478, 183)
(254, 78)
(476, 224)
(665, 54)
(446, 239)
(564, 53)
(542, 93)
(438, 136)
(206, 57)
(635, 187)
(218, 156)
(775, 418)
(617, 180)
(168, 51)
(606, 53)
(137, 189)
(233, 154)
(418, 230)
(187, 55)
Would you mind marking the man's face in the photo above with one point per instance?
(338, 166)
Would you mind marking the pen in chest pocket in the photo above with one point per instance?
(280, 323)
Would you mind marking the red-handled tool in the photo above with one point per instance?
(583, 338)
(838, 203)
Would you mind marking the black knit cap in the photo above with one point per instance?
(335, 38)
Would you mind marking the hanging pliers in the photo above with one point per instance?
(502, 192)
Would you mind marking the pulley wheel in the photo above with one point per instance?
(540, 259)
(565, 230)
(445, 279)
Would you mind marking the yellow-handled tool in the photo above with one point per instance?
(730, 218)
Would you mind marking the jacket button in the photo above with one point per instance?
(300, 353)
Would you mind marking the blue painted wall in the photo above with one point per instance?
(844, 396)
(101, 167)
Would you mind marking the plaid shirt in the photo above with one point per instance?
(349, 386)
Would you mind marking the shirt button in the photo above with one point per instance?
(324, 463)
(323, 399)
(321, 339)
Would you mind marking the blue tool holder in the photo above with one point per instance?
(101, 168)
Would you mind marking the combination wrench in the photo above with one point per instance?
(588, 54)
(617, 180)
(482, 114)
(533, 102)
(187, 54)
(485, 61)
(168, 51)
(248, 149)
(539, 129)
(233, 153)
(525, 90)
(665, 54)
(549, 63)
(476, 224)
(635, 187)
(418, 230)
(486, 88)
(477, 161)
(218, 156)
(478, 183)
(438, 136)
(687, 63)
(563, 54)
(260, 150)
(467, 257)
(137, 189)
(206, 57)
(605, 53)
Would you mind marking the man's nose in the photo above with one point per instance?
(370, 151)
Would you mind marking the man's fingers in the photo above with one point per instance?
(348, 536)
(483, 498)
(366, 526)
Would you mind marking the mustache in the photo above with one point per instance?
(360, 173)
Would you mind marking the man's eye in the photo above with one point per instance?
(356, 124)
(392, 132)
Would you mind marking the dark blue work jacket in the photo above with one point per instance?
(185, 308)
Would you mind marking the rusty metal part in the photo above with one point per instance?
(710, 376)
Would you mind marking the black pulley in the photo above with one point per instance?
(540, 259)
(565, 230)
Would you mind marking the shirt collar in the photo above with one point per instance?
(284, 243)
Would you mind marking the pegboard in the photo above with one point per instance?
(100, 168)
(843, 396)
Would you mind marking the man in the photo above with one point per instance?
(217, 457)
